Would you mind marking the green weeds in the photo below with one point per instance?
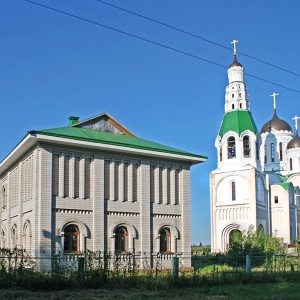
(125, 271)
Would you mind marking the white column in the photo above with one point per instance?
(156, 184)
(61, 175)
(82, 178)
(172, 187)
(35, 184)
(72, 177)
(19, 240)
(121, 181)
(145, 207)
(112, 180)
(97, 195)
(165, 185)
(130, 182)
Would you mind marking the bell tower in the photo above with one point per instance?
(235, 184)
(236, 91)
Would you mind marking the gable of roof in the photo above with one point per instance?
(237, 121)
(104, 122)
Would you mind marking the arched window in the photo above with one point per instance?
(265, 154)
(14, 237)
(232, 105)
(246, 146)
(257, 151)
(220, 153)
(233, 193)
(71, 239)
(272, 153)
(280, 151)
(231, 147)
(276, 199)
(291, 164)
(121, 239)
(241, 106)
(3, 239)
(3, 196)
(165, 240)
(27, 236)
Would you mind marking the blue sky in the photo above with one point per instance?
(53, 66)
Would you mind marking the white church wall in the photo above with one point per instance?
(224, 190)
(280, 213)
(293, 161)
(228, 214)
(273, 161)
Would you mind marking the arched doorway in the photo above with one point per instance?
(235, 240)
(71, 239)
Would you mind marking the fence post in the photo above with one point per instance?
(175, 267)
(248, 265)
(80, 271)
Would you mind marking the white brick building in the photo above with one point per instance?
(94, 185)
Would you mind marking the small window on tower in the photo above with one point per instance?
(232, 95)
(241, 105)
(265, 154)
(231, 147)
(246, 146)
(233, 191)
(232, 106)
(276, 199)
(291, 164)
(272, 152)
(280, 151)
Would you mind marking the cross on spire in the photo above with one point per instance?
(296, 121)
(274, 98)
(234, 46)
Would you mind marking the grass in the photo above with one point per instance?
(213, 278)
(272, 291)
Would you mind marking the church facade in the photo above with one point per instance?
(258, 174)
(94, 185)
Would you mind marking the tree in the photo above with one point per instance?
(253, 241)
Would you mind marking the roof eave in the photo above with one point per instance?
(33, 138)
(27, 143)
(108, 147)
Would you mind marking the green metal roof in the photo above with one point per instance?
(237, 121)
(96, 136)
(285, 185)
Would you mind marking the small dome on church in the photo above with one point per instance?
(294, 143)
(275, 124)
(235, 63)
